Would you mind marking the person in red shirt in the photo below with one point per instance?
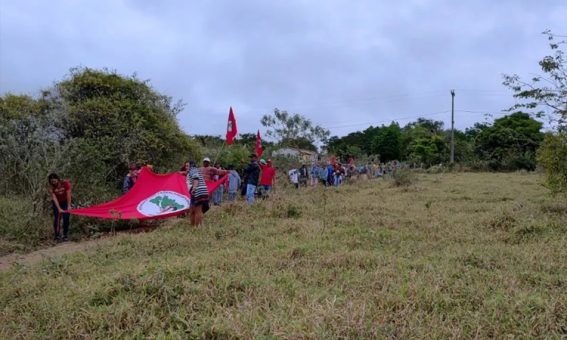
(268, 177)
(60, 192)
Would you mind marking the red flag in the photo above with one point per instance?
(231, 129)
(153, 196)
(259, 149)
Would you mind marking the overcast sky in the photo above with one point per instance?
(343, 64)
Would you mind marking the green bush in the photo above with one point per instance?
(552, 157)
(404, 178)
(19, 228)
(87, 128)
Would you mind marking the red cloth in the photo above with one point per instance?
(61, 190)
(259, 150)
(231, 129)
(153, 196)
(268, 174)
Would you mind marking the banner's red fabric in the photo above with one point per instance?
(153, 196)
(231, 128)
(259, 149)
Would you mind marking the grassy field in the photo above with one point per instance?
(454, 255)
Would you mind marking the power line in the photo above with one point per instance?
(388, 121)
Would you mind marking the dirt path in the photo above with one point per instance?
(6, 262)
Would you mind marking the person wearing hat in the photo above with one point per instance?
(209, 172)
(199, 194)
(252, 174)
(268, 178)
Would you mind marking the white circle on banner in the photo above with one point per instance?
(163, 202)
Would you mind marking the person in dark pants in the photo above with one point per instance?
(60, 192)
(252, 173)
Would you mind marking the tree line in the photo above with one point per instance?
(509, 143)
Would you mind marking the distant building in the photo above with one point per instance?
(306, 156)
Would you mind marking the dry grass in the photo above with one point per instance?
(455, 255)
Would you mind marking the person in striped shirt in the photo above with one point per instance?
(199, 194)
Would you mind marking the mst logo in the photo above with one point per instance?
(163, 202)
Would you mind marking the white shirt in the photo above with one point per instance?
(293, 176)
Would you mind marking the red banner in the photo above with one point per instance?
(153, 196)
(259, 149)
(231, 128)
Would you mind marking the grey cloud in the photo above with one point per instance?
(340, 63)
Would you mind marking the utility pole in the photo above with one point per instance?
(452, 126)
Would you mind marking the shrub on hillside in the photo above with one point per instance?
(404, 178)
(87, 128)
(552, 157)
(20, 229)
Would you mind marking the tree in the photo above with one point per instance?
(387, 142)
(90, 126)
(293, 130)
(511, 142)
(545, 93)
(32, 142)
(424, 141)
(548, 94)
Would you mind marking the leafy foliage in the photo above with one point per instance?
(511, 142)
(87, 128)
(547, 94)
(294, 130)
(552, 156)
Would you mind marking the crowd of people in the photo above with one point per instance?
(257, 179)
(334, 173)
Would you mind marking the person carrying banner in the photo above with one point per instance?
(199, 194)
(60, 192)
(217, 194)
(209, 172)
(131, 178)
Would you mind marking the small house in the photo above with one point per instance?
(302, 155)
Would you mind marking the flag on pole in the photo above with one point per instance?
(231, 129)
(259, 149)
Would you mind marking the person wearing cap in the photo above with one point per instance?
(199, 194)
(209, 172)
(252, 174)
(268, 178)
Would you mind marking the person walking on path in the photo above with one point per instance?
(315, 173)
(268, 178)
(303, 175)
(293, 175)
(252, 174)
(234, 183)
(218, 193)
(199, 194)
